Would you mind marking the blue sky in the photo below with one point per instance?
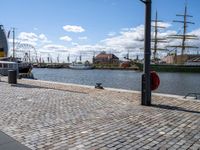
(91, 24)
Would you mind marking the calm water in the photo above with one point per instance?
(171, 83)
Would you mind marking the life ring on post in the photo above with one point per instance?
(155, 80)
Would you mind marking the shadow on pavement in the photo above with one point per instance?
(174, 108)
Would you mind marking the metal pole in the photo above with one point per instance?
(146, 89)
(13, 42)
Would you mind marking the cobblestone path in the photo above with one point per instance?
(52, 116)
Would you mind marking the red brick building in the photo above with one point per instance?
(104, 58)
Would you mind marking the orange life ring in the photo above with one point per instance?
(155, 80)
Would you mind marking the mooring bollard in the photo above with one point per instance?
(98, 86)
(12, 76)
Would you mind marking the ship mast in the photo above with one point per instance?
(157, 40)
(13, 30)
(184, 35)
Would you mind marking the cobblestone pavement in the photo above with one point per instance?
(54, 116)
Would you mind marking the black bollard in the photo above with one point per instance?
(98, 86)
(12, 76)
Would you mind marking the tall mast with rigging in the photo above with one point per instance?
(156, 39)
(184, 36)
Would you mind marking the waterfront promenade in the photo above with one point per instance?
(46, 115)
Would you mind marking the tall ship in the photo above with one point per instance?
(181, 48)
(177, 60)
(23, 67)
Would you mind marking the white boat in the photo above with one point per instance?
(80, 66)
(7, 65)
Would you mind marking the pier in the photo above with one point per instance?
(55, 116)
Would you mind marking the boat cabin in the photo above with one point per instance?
(7, 65)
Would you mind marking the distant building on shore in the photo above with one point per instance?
(104, 59)
(187, 59)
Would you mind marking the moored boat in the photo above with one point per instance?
(171, 67)
(23, 67)
(80, 66)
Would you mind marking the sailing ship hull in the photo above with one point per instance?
(25, 69)
(171, 68)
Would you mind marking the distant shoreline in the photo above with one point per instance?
(97, 68)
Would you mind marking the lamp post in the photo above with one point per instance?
(146, 81)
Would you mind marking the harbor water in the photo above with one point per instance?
(171, 83)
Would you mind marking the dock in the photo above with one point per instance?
(46, 115)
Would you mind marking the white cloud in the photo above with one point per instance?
(83, 38)
(77, 49)
(54, 47)
(195, 32)
(70, 28)
(125, 29)
(129, 38)
(111, 34)
(132, 40)
(32, 38)
(195, 42)
(74, 44)
(65, 38)
(162, 24)
(166, 33)
(43, 38)
(28, 38)
(25, 36)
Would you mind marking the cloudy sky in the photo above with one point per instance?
(59, 28)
